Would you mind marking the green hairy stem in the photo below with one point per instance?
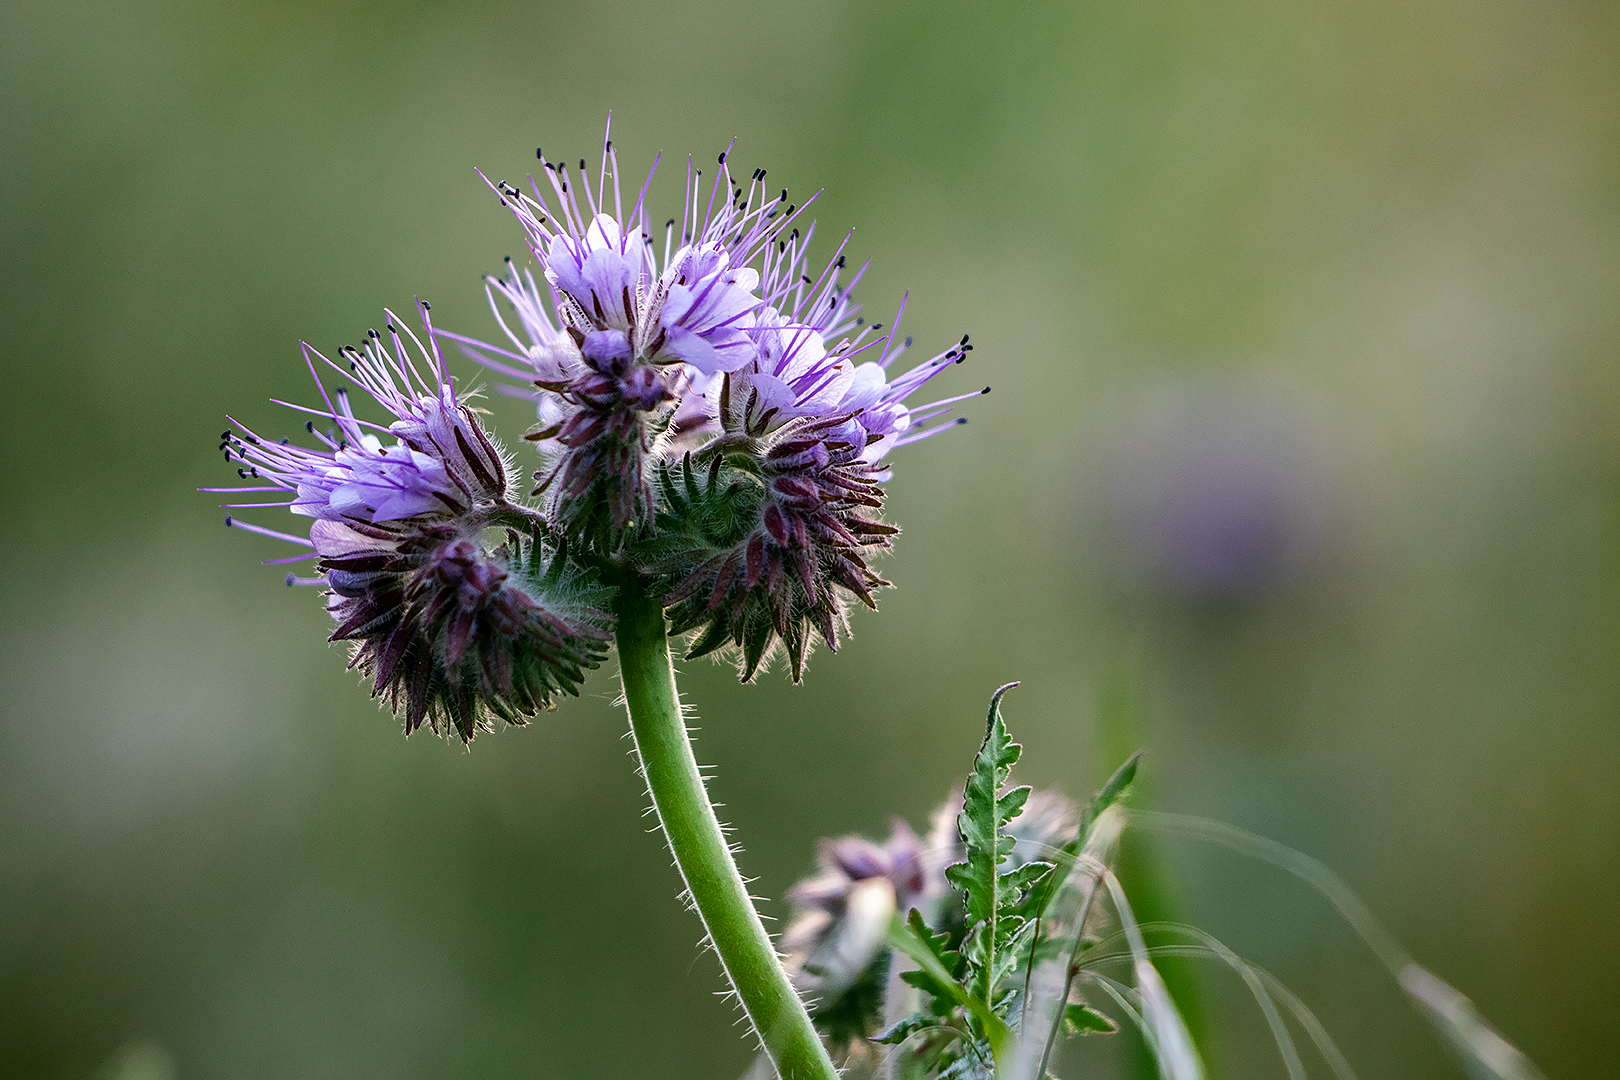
(700, 849)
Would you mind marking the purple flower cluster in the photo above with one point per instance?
(714, 339)
(714, 420)
(452, 634)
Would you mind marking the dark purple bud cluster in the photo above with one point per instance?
(808, 536)
(453, 635)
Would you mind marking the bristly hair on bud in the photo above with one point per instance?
(758, 551)
(456, 636)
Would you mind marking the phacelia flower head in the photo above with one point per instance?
(454, 635)
(718, 408)
(618, 330)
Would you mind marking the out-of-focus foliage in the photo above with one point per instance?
(1301, 322)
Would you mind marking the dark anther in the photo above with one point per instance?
(309, 426)
(877, 326)
(670, 224)
(373, 333)
(539, 154)
(228, 521)
(722, 157)
(289, 579)
(581, 164)
(426, 306)
(986, 390)
(794, 235)
(908, 343)
(784, 194)
(840, 262)
(226, 434)
(964, 339)
(607, 146)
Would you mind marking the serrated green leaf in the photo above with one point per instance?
(1031, 873)
(984, 812)
(937, 944)
(945, 994)
(1084, 1020)
(914, 939)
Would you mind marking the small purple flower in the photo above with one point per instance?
(817, 359)
(694, 304)
(440, 463)
(815, 426)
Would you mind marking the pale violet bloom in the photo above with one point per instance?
(432, 460)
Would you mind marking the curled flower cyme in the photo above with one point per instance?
(454, 635)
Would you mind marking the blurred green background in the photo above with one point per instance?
(1303, 324)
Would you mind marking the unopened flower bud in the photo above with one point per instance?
(455, 636)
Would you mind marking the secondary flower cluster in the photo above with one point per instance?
(714, 419)
(836, 944)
